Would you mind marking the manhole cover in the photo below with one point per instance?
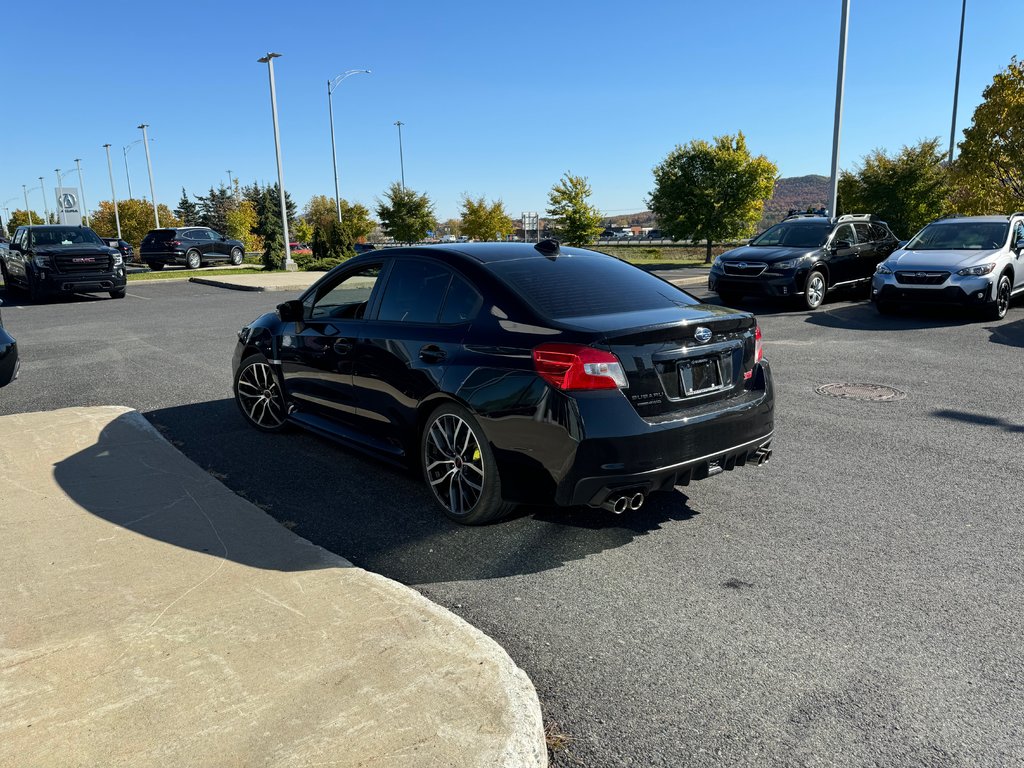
(876, 393)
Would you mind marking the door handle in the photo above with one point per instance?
(432, 353)
(343, 346)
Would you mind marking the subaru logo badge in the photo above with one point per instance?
(702, 334)
(741, 265)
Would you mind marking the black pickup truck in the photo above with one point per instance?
(55, 259)
(8, 357)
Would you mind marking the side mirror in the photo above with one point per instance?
(291, 311)
(1019, 244)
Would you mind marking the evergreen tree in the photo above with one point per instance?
(187, 211)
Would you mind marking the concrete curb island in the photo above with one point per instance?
(153, 617)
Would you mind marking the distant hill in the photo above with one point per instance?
(799, 192)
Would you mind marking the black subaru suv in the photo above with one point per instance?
(56, 259)
(191, 246)
(804, 256)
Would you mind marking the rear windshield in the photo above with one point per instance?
(581, 286)
(161, 234)
(65, 236)
(960, 236)
(793, 234)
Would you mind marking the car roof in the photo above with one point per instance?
(982, 219)
(486, 253)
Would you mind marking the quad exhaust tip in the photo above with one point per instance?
(618, 504)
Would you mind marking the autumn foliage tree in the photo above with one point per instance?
(711, 191)
(484, 221)
(136, 219)
(574, 220)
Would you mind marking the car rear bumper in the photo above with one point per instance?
(593, 445)
(163, 257)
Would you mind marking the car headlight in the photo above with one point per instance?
(784, 264)
(118, 261)
(981, 269)
(42, 262)
(882, 269)
(717, 262)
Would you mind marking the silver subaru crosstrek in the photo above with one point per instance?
(972, 261)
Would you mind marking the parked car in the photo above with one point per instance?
(126, 248)
(972, 261)
(53, 259)
(804, 257)
(514, 373)
(655, 234)
(363, 247)
(191, 246)
(8, 356)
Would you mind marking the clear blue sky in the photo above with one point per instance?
(497, 99)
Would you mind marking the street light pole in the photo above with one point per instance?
(60, 202)
(269, 61)
(956, 87)
(128, 175)
(401, 157)
(331, 85)
(149, 165)
(113, 192)
(24, 191)
(840, 82)
(81, 192)
(46, 205)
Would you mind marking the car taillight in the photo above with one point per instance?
(574, 366)
(758, 351)
(174, 243)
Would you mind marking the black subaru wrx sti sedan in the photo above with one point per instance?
(514, 373)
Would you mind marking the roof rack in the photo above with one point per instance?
(796, 214)
(1015, 213)
(860, 217)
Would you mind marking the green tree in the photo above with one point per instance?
(907, 190)
(19, 218)
(357, 220)
(136, 219)
(214, 207)
(302, 231)
(711, 191)
(988, 175)
(452, 227)
(405, 214)
(320, 211)
(483, 221)
(242, 223)
(574, 220)
(187, 211)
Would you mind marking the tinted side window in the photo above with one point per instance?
(199, 234)
(346, 297)
(880, 233)
(462, 302)
(414, 292)
(845, 232)
(864, 232)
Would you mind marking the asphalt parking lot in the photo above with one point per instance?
(857, 601)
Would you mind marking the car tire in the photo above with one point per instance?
(33, 291)
(997, 309)
(258, 395)
(815, 288)
(119, 293)
(8, 287)
(459, 467)
(193, 260)
(156, 266)
(237, 256)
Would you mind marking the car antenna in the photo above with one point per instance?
(549, 247)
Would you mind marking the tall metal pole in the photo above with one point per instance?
(269, 61)
(956, 87)
(46, 205)
(24, 191)
(840, 83)
(331, 85)
(81, 192)
(401, 157)
(60, 201)
(128, 175)
(149, 164)
(113, 192)
(230, 187)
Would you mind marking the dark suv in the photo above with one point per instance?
(53, 259)
(804, 256)
(190, 246)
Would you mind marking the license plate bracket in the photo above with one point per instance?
(701, 376)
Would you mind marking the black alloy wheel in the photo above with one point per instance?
(119, 293)
(998, 308)
(258, 395)
(459, 467)
(156, 266)
(237, 256)
(814, 289)
(193, 260)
